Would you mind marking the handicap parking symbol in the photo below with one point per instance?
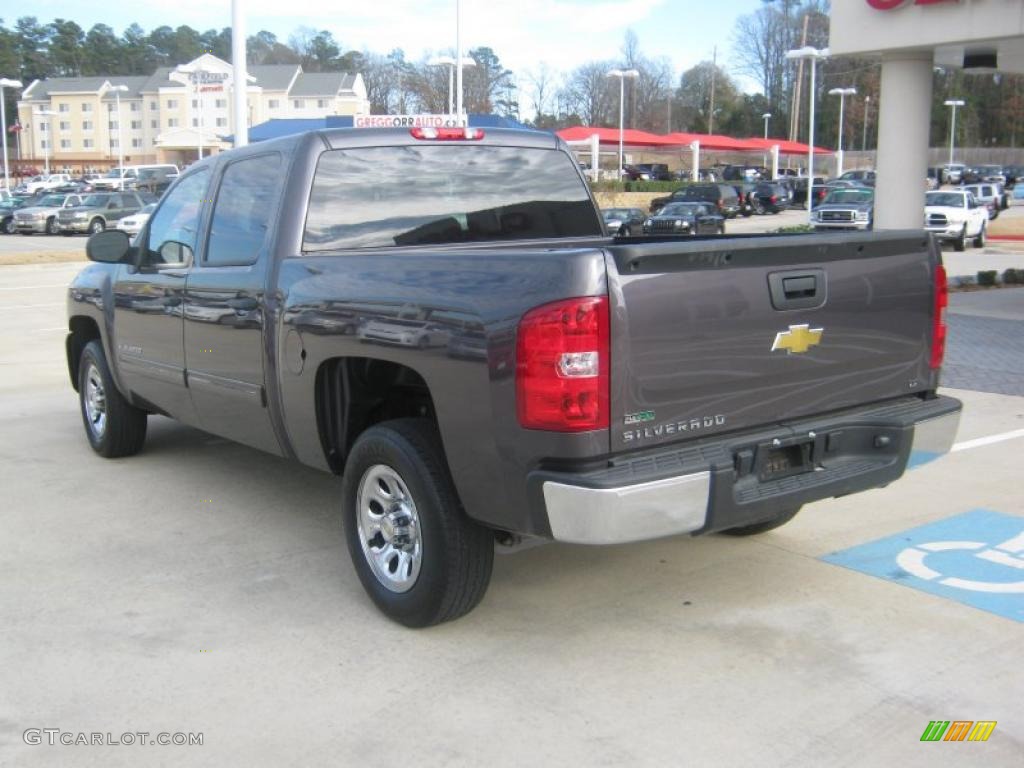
(975, 558)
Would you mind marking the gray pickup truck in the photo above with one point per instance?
(440, 318)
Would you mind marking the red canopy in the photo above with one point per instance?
(713, 141)
(630, 136)
(786, 147)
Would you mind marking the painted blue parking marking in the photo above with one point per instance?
(975, 558)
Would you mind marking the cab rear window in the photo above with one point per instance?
(425, 195)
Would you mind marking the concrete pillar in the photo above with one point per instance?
(775, 161)
(904, 119)
(695, 159)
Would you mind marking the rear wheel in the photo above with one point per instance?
(113, 425)
(51, 225)
(979, 241)
(419, 557)
(752, 530)
(96, 225)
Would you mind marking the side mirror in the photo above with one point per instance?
(108, 247)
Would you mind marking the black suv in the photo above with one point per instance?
(654, 171)
(722, 197)
(771, 197)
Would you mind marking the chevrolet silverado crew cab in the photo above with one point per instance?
(483, 365)
(956, 216)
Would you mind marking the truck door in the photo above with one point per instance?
(225, 305)
(148, 301)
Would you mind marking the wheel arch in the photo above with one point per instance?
(82, 330)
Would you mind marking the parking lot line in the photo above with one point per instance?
(981, 441)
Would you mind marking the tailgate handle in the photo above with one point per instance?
(798, 289)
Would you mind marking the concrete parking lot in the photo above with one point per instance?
(203, 587)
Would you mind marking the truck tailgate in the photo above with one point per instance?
(714, 335)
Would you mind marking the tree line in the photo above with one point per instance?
(706, 97)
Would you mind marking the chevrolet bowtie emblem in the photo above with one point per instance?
(798, 339)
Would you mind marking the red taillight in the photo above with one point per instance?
(562, 362)
(447, 134)
(773, 199)
(939, 317)
(721, 202)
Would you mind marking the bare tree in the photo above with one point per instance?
(589, 95)
(542, 85)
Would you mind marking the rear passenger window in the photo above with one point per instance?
(246, 203)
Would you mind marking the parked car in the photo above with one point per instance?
(132, 224)
(685, 219)
(155, 180)
(991, 173)
(1014, 173)
(952, 173)
(623, 222)
(846, 208)
(7, 209)
(129, 177)
(746, 191)
(721, 196)
(798, 186)
(862, 177)
(632, 173)
(98, 211)
(989, 195)
(772, 197)
(750, 173)
(955, 216)
(654, 171)
(41, 215)
(45, 183)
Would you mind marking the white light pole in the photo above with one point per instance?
(241, 81)
(766, 117)
(448, 61)
(622, 74)
(458, 57)
(6, 83)
(842, 93)
(864, 138)
(47, 137)
(808, 52)
(118, 90)
(954, 103)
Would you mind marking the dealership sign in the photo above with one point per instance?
(408, 121)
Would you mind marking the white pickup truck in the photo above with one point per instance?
(46, 183)
(956, 216)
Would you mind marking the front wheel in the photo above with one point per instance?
(624, 232)
(114, 426)
(419, 557)
(8, 226)
(752, 530)
(979, 241)
(960, 243)
(51, 226)
(96, 225)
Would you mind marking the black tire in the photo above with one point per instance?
(123, 431)
(8, 226)
(624, 232)
(960, 244)
(752, 530)
(979, 241)
(457, 554)
(96, 225)
(51, 225)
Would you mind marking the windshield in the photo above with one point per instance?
(681, 209)
(948, 199)
(52, 201)
(430, 194)
(615, 213)
(850, 196)
(95, 200)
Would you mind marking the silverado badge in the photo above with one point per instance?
(798, 339)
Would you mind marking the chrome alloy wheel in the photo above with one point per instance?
(389, 528)
(95, 401)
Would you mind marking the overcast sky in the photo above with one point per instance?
(523, 33)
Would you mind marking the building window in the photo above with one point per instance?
(154, 124)
(135, 106)
(65, 143)
(195, 103)
(44, 127)
(113, 125)
(136, 125)
(321, 103)
(87, 143)
(44, 144)
(154, 106)
(111, 106)
(297, 103)
(222, 122)
(87, 125)
(114, 144)
(195, 122)
(172, 122)
(221, 103)
(63, 107)
(274, 103)
(136, 143)
(87, 107)
(65, 125)
(172, 103)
